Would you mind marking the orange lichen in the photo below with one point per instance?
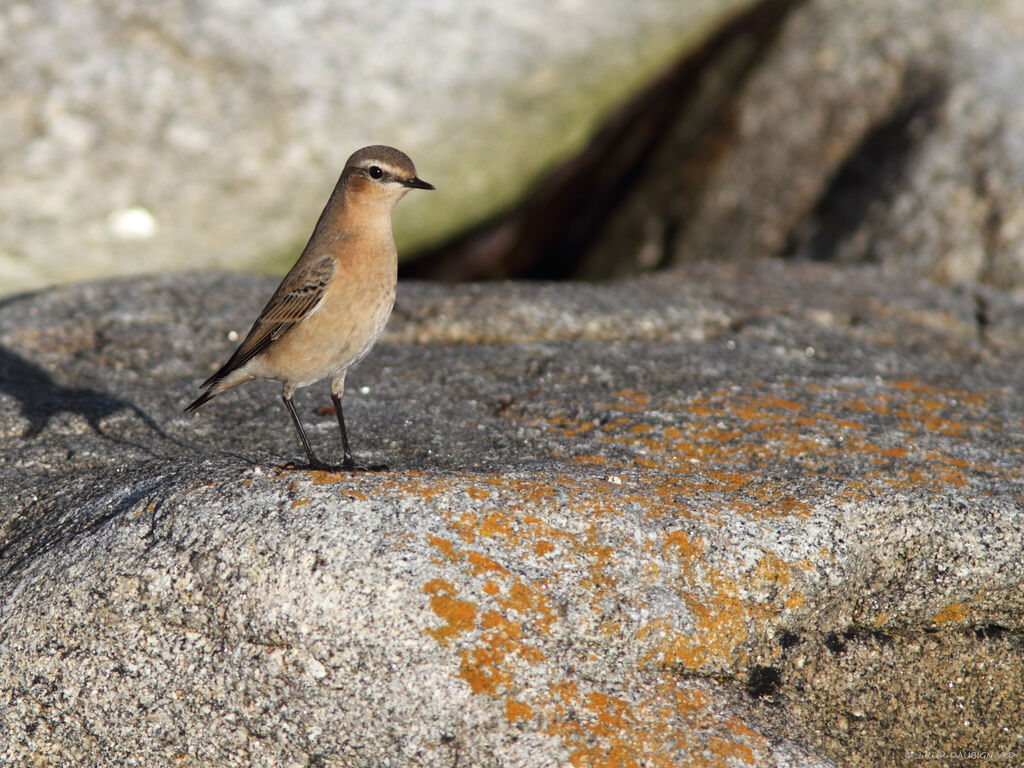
(703, 468)
(495, 523)
(444, 545)
(590, 460)
(669, 726)
(640, 429)
(488, 665)
(543, 546)
(483, 564)
(723, 621)
(530, 601)
(459, 615)
(516, 710)
(682, 546)
(483, 668)
(953, 613)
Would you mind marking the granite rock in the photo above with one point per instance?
(722, 516)
(869, 132)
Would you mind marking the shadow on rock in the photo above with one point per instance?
(40, 399)
(59, 525)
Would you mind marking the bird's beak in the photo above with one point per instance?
(417, 183)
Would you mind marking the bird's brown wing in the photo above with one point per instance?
(297, 295)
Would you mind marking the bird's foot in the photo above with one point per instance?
(314, 464)
(350, 465)
(347, 466)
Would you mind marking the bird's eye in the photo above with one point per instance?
(375, 172)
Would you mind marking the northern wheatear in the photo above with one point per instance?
(334, 303)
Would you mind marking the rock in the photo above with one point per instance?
(721, 516)
(870, 132)
(147, 137)
(892, 139)
(562, 229)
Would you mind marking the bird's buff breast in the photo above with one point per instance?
(339, 333)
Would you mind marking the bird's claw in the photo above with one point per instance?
(348, 466)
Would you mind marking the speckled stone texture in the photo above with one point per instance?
(766, 514)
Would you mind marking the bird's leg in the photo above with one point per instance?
(337, 390)
(347, 461)
(314, 462)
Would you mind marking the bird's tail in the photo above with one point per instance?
(200, 401)
(218, 383)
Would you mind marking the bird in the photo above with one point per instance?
(333, 304)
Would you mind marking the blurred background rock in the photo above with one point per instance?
(137, 137)
(568, 139)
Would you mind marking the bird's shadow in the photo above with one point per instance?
(40, 399)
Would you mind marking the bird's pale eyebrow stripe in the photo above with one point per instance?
(388, 169)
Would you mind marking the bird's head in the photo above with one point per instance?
(381, 173)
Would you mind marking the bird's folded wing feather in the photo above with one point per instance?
(297, 296)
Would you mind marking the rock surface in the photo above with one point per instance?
(728, 515)
(877, 131)
(180, 135)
